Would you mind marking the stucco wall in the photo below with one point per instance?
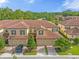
(18, 32)
(17, 42)
(40, 42)
(14, 41)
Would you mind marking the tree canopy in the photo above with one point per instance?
(9, 14)
(31, 42)
(62, 43)
(76, 40)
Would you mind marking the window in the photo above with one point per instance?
(13, 32)
(54, 29)
(22, 32)
(40, 32)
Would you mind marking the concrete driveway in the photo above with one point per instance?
(41, 50)
(51, 50)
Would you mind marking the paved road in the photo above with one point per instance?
(41, 57)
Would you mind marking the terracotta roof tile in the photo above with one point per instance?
(71, 22)
(19, 25)
(25, 23)
(73, 31)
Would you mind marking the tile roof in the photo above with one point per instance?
(19, 25)
(25, 24)
(73, 31)
(71, 22)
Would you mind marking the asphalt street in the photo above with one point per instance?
(42, 57)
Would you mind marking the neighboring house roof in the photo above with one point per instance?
(25, 24)
(73, 31)
(71, 22)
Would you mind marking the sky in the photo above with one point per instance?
(41, 5)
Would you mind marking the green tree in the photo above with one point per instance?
(18, 14)
(5, 13)
(62, 43)
(76, 41)
(2, 43)
(31, 43)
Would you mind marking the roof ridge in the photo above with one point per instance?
(14, 24)
(19, 22)
(24, 23)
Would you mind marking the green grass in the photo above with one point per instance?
(33, 52)
(74, 51)
(30, 53)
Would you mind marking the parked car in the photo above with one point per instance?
(19, 48)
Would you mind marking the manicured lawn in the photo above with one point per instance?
(33, 52)
(74, 51)
(30, 53)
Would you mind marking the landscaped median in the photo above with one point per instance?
(32, 52)
(31, 45)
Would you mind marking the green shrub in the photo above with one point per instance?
(2, 43)
(46, 50)
(62, 43)
(33, 52)
(76, 41)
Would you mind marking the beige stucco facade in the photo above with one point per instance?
(17, 32)
(16, 40)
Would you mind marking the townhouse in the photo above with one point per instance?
(16, 32)
(70, 26)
